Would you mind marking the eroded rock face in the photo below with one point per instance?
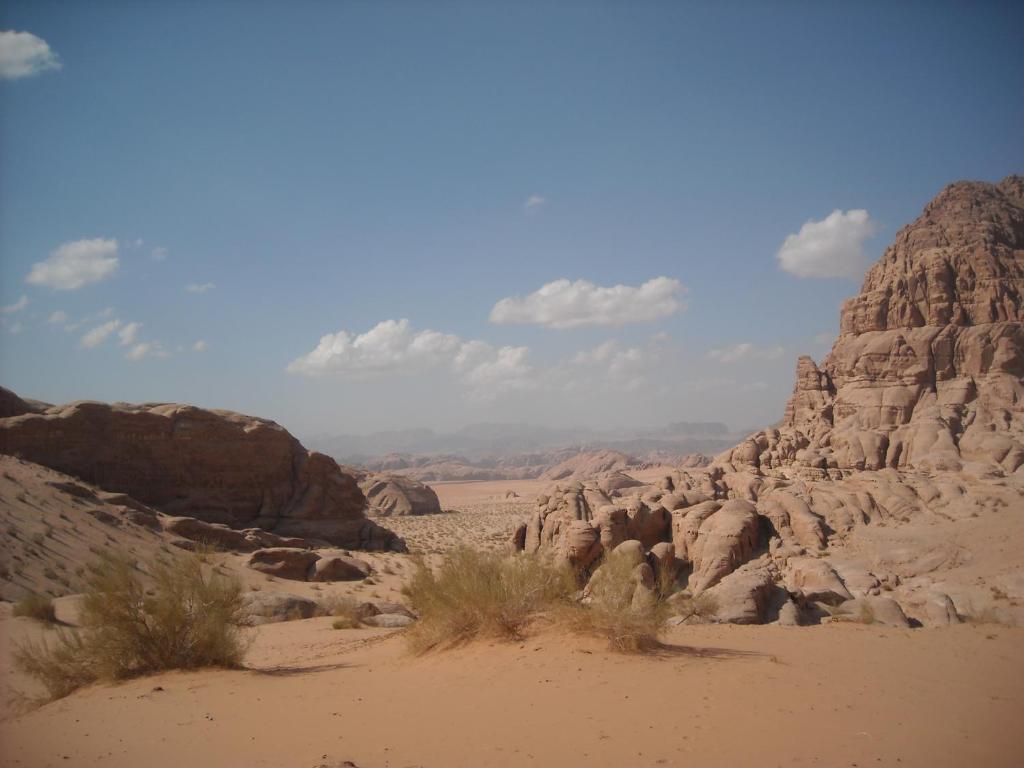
(927, 370)
(216, 466)
(896, 478)
(389, 495)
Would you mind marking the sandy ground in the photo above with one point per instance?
(718, 696)
(482, 514)
(832, 695)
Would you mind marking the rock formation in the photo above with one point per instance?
(389, 494)
(927, 370)
(215, 466)
(899, 464)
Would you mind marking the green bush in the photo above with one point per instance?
(182, 620)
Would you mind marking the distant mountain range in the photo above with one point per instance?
(486, 444)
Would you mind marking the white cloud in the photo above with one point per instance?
(128, 334)
(745, 351)
(15, 328)
(58, 317)
(534, 201)
(17, 306)
(99, 334)
(146, 349)
(199, 346)
(199, 287)
(832, 247)
(22, 54)
(621, 368)
(565, 304)
(393, 347)
(75, 264)
(158, 254)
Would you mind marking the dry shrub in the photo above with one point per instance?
(348, 612)
(39, 607)
(483, 594)
(703, 607)
(629, 618)
(183, 620)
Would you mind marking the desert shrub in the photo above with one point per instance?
(483, 594)
(39, 607)
(629, 618)
(183, 619)
(348, 612)
(702, 607)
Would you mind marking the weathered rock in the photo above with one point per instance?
(588, 464)
(223, 537)
(873, 610)
(397, 495)
(268, 607)
(216, 466)
(333, 566)
(389, 620)
(814, 580)
(284, 562)
(725, 541)
(580, 545)
(927, 370)
(940, 611)
(743, 596)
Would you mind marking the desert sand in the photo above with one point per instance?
(833, 695)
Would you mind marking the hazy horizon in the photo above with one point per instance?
(354, 218)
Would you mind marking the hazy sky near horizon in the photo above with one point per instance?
(360, 216)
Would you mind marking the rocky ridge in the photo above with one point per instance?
(210, 465)
(894, 485)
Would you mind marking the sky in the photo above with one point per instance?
(351, 217)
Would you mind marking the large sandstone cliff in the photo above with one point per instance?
(927, 370)
(897, 474)
(216, 466)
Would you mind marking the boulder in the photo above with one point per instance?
(284, 562)
(725, 540)
(268, 607)
(743, 596)
(335, 566)
(389, 620)
(814, 580)
(397, 495)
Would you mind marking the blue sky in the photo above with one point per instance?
(327, 167)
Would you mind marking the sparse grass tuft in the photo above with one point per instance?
(38, 607)
(483, 594)
(183, 620)
(628, 617)
(702, 607)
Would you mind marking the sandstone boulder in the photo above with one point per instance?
(284, 562)
(725, 541)
(814, 580)
(336, 566)
(397, 495)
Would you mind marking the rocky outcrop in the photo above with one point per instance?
(895, 481)
(307, 565)
(927, 370)
(588, 464)
(216, 466)
(389, 495)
